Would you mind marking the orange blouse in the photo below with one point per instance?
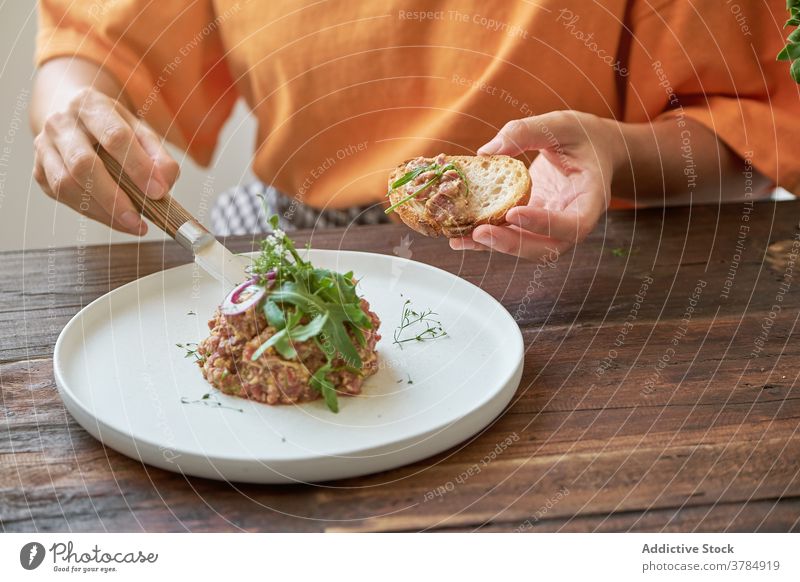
(344, 90)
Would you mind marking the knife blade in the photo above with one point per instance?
(211, 255)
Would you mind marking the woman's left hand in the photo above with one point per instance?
(571, 180)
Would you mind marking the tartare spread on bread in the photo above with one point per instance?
(291, 333)
(451, 195)
(438, 187)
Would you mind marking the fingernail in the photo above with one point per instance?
(492, 146)
(462, 244)
(130, 219)
(513, 216)
(483, 238)
(155, 189)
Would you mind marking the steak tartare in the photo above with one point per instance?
(291, 333)
(226, 361)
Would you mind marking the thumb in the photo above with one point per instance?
(522, 135)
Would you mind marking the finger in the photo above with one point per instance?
(466, 243)
(514, 241)
(115, 134)
(89, 173)
(167, 168)
(38, 171)
(568, 226)
(55, 180)
(60, 184)
(522, 135)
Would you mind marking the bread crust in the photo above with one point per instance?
(515, 193)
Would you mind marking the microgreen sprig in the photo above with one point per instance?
(438, 170)
(210, 400)
(191, 350)
(412, 321)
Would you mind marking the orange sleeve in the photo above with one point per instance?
(714, 62)
(168, 56)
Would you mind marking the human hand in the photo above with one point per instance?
(571, 183)
(69, 171)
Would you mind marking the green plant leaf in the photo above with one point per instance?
(294, 292)
(408, 176)
(326, 299)
(273, 339)
(281, 339)
(320, 382)
(274, 315)
(305, 332)
(424, 187)
(336, 333)
(790, 52)
(333, 328)
(440, 170)
(285, 348)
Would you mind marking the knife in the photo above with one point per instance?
(168, 215)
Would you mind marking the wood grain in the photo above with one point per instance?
(706, 442)
(166, 212)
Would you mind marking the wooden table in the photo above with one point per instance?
(656, 424)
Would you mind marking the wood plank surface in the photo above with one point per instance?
(659, 393)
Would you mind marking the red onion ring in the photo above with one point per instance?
(233, 305)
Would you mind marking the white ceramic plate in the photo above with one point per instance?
(123, 379)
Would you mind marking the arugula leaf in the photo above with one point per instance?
(297, 294)
(408, 176)
(285, 348)
(439, 171)
(291, 332)
(320, 382)
(305, 332)
(326, 299)
(273, 340)
(413, 195)
(333, 328)
(274, 315)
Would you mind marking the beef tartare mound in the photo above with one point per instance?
(292, 333)
(226, 361)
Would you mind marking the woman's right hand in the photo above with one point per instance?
(69, 170)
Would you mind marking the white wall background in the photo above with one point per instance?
(28, 218)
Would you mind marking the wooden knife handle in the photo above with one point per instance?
(166, 213)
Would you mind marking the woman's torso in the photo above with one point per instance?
(343, 91)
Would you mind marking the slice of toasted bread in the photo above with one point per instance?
(495, 185)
